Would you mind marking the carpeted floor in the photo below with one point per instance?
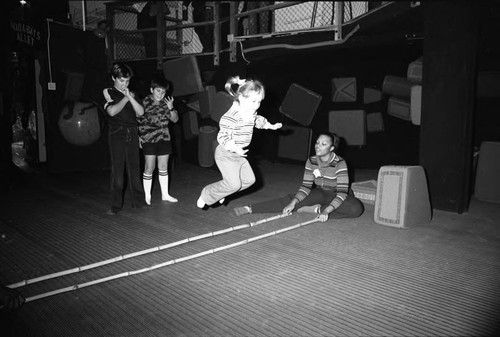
(339, 278)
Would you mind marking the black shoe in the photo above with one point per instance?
(143, 206)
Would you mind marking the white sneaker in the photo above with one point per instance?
(200, 203)
(169, 198)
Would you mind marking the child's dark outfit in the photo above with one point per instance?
(124, 151)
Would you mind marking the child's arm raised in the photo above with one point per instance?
(173, 115)
(262, 123)
(270, 126)
(138, 108)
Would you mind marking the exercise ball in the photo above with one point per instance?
(79, 123)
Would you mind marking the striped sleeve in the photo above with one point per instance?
(227, 126)
(307, 182)
(260, 122)
(234, 130)
(342, 179)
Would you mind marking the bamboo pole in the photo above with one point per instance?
(142, 252)
(168, 263)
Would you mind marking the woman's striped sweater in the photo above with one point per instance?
(330, 176)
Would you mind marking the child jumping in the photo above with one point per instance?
(155, 137)
(236, 130)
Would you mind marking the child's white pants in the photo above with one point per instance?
(237, 175)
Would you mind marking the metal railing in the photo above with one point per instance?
(180, 28)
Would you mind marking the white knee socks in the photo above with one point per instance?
(163, 179)
(147, 181)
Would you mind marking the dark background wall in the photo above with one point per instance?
(397, 144)
(35, 16)
(486, 118)
(82, 53)
(448, 96)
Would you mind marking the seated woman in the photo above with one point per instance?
(329, 198)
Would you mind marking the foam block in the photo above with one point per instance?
(206, 140)
(344, 89)
(348, 124)
(206, 100)
(399, 108)
(416, 104)
(193, 103)
(414, 73)
(487, 185)
(374, 122)
(190, 124)
(365, 191)
(184, 74)
(371, 95)
(397, 86)
(221, 103)
(300, 104)
(294, 142)
(402, 198)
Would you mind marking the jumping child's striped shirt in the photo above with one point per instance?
(234, 130)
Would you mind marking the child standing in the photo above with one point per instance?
(155, 137)
(236, 130)
(122, 111)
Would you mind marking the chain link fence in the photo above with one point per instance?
(315, 14)
(135, 30)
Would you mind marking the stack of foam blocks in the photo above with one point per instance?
(347, 124)
(405, 101)
(353, 124)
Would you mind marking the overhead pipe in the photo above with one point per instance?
(84, 15)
